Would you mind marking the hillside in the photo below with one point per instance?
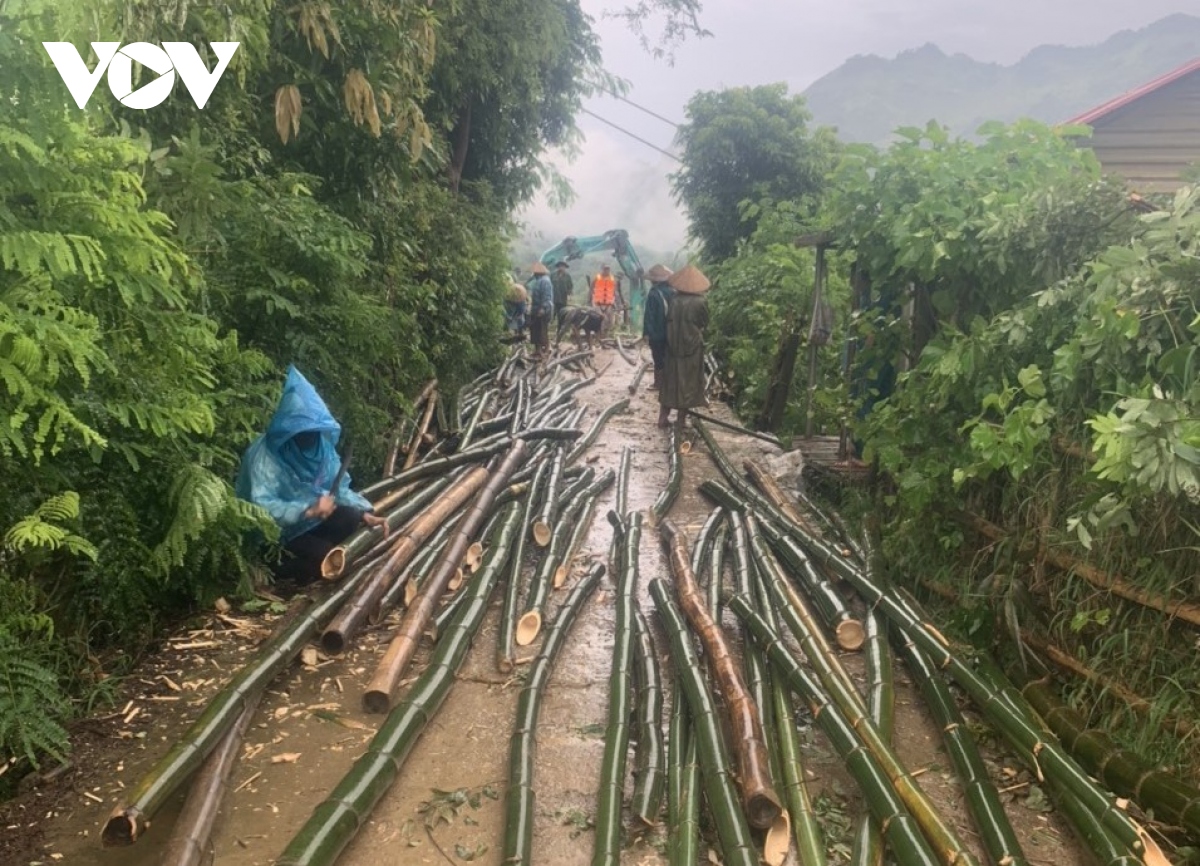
(868, 96)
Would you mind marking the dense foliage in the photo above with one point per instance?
(746, 144)
(160, 268)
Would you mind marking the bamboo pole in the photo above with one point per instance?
(519, 798)
(1045, 753)
(143, 801)
(506, 638)
(736, 428)
(542, 527)
(648, 757)
(901, 829)
(611, 785)
(662, 505)
(473, 425)
(578, 500)
(683, 782)
(733, 833)
(335, 821)
(759, 799)
(594, 431)
(1187, 611)
(350, 619)
(381, 690)
(414, 444)
(771, 489)
(478, 454)
(637, 377)
(623, 470)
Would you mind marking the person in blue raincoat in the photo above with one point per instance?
(288, 471)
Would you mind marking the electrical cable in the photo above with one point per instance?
(628, 101)
(631, 135)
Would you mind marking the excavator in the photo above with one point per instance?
(615, 241)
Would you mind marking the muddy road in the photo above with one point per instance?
(446, 806)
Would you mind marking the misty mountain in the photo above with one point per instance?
(868, 97)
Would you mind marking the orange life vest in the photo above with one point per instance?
(604, 290)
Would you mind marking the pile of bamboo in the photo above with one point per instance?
(491, 492)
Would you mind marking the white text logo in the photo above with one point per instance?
(172, 57)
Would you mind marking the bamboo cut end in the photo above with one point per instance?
(1152, 855)
(850, 634)
(410, 592)
(123, 827)
(334, 563)
(528, 627)
(541, 534)
(456, 581)
(763, 809)
(778, 841)
(376, 701)
(504, 664)
(333, 642)
(685, 447)
(560, 575)
(474, 557)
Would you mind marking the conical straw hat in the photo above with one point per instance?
(689, 281)
(658, 273)
(539, 269)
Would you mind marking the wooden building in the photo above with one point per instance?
(1150, 135)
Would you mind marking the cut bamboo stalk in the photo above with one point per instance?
(771, 489)
(478, 454)
(1158, 791)
(336, 820)
(1072, 665)
(637, 377)
(623, 470)
(836, 683)
(350, 619)
(577, 501)
(611, 785)
(491, 535)
(904, 835)
(190, 833)
(629, 359)
(473, 557)
(662, 505)
(867, 849)
(735, 428)
(759, 799)
(1187, 611)
(365, 543)
(403, 430)
(520, 407)
(1043, 752)
(418, 566)
(519, 798)
(593, 432)
(414, 444)
(473, 425)
(543, 525)
(677, 745)
(143, 801)
(648, 757)
(380, 693)
(506, 638)
(579, 531)
(733, 833)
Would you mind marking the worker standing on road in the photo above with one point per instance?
(687, 317)
(290, 471)
(654, 319)
(563, 288)
(604, 295)
(541, 309)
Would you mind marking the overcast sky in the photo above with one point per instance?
(620, 183)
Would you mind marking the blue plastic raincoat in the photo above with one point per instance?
(283, 478)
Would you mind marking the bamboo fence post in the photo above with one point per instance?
(380, 693)
(758, 793)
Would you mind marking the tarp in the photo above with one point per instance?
(285, 479)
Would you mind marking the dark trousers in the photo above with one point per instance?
(302, 556)
(658, 351)
(539, 330)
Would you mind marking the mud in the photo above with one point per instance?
(447, 804)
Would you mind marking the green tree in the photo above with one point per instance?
(746, 144)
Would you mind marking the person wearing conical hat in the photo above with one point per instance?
(516, 299)
(654, 319)
(541, 308)
(687, 317)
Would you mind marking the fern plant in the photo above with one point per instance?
(32, 705)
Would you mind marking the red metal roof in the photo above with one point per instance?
(1089, 118)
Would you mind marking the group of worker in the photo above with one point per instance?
(293, 470)
(547, 297)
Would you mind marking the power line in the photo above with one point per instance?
(631, 135)
(653, 114)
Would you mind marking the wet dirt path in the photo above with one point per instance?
(446, 806)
